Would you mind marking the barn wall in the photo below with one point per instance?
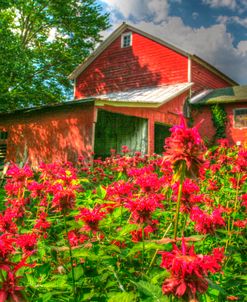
(146, 63)
(58, 134)
(203, 117)
(166, 114)
(204, 78)
(235, 134)
(207, 129)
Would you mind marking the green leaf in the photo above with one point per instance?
(216, 287)
(78, 272)
(84, 253)
(60, 282)
(101, 192)
(151, 290)
(30, 280)
(123, 297)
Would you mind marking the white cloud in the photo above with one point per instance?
(157, 10)
(232, 19)
(242, 47)
(231, 4)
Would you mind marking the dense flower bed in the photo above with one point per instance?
(129, 228)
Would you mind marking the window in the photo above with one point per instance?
(3, 147)
(3, 135)
(126, 40)
(240, 118)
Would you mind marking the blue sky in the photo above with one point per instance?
(215, 30)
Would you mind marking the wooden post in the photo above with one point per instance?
(150, 136)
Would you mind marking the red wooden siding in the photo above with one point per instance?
(203, 78)
(146, 63)
(203, 117)
(235, 134)
(166, 114)
(58, 135)
(207, 129)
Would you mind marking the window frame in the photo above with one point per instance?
(122, 39)
(234, 118)
(3, 146)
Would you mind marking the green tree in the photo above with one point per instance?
(42, 41)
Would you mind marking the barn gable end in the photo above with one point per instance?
(145, 63)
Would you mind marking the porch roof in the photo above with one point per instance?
(148, 96)
(221, 96)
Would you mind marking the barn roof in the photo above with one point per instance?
(142, 97)
(121, 29)
(146, 97)
(221, 96)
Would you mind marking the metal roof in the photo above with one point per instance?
(154, 96)
(221, 96)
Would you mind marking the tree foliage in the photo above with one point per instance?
(42, 41)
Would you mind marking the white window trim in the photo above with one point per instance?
(122, 39)
(234, 126)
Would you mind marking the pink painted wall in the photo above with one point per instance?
(50, 135)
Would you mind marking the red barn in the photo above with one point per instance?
(128, 92)
(230, 104)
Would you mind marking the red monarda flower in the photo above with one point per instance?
(7, 224)
(184, 149)
(41, 223)
(19, 174)
(206, 223)
(10, 290)
(91, 218)
(149, 229)
(189, 271)
(149, 182)
(75, 238)
(63, 200)
(27, 242)
(188, 194)
(6, 245)
(143, 207)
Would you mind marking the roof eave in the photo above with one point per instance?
(214, 70)
(126, 103)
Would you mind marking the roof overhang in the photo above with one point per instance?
(234, 94)
(151, 97)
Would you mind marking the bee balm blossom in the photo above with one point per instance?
(189, 271)
(91, 218)
(184, 148)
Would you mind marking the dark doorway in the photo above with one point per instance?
(161, 131)
(113, 130)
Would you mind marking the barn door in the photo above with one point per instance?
(114, 130)
(161, 131)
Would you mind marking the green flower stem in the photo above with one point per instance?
(155, 254)
(178, 209)
(184, 224)
(230, 224)
(236, 199)
(71, 257)
(143, 246)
